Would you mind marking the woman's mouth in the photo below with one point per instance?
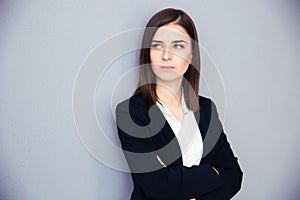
(167, 67)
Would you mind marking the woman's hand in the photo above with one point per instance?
(161, 162)
(216, 170)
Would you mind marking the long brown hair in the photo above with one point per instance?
(147, 86)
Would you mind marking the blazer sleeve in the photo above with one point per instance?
(226, 164)
(176, 182)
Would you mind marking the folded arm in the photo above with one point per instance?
(157, 181)
(226, 164)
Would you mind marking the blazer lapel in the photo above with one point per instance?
(166, 143)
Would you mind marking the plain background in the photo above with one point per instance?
(255, 45)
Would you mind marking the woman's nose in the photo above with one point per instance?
(167, 55)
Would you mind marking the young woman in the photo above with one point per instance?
(163, 125)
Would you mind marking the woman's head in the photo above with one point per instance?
(172, 22)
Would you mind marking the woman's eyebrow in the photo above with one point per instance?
(157, 41)
(175, 41)
(178, 41)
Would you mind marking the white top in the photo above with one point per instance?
(187, 133)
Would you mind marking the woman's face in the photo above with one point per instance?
(170, 53)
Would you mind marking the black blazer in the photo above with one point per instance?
(146, 137)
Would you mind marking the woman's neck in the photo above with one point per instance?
(169, 92)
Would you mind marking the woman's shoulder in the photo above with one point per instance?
(135, 100)
(133, 107)
(206, 105)
(205, 101)
(133, 103)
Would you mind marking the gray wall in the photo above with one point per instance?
(255, 46)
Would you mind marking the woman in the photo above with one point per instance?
(162, 126)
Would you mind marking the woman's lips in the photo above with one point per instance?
(167, 67)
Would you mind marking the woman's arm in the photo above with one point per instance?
(225, 162)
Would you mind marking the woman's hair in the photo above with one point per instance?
(147, 80)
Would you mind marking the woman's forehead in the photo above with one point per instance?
(171, 32)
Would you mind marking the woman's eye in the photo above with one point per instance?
(156, 46)
(178, 46)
